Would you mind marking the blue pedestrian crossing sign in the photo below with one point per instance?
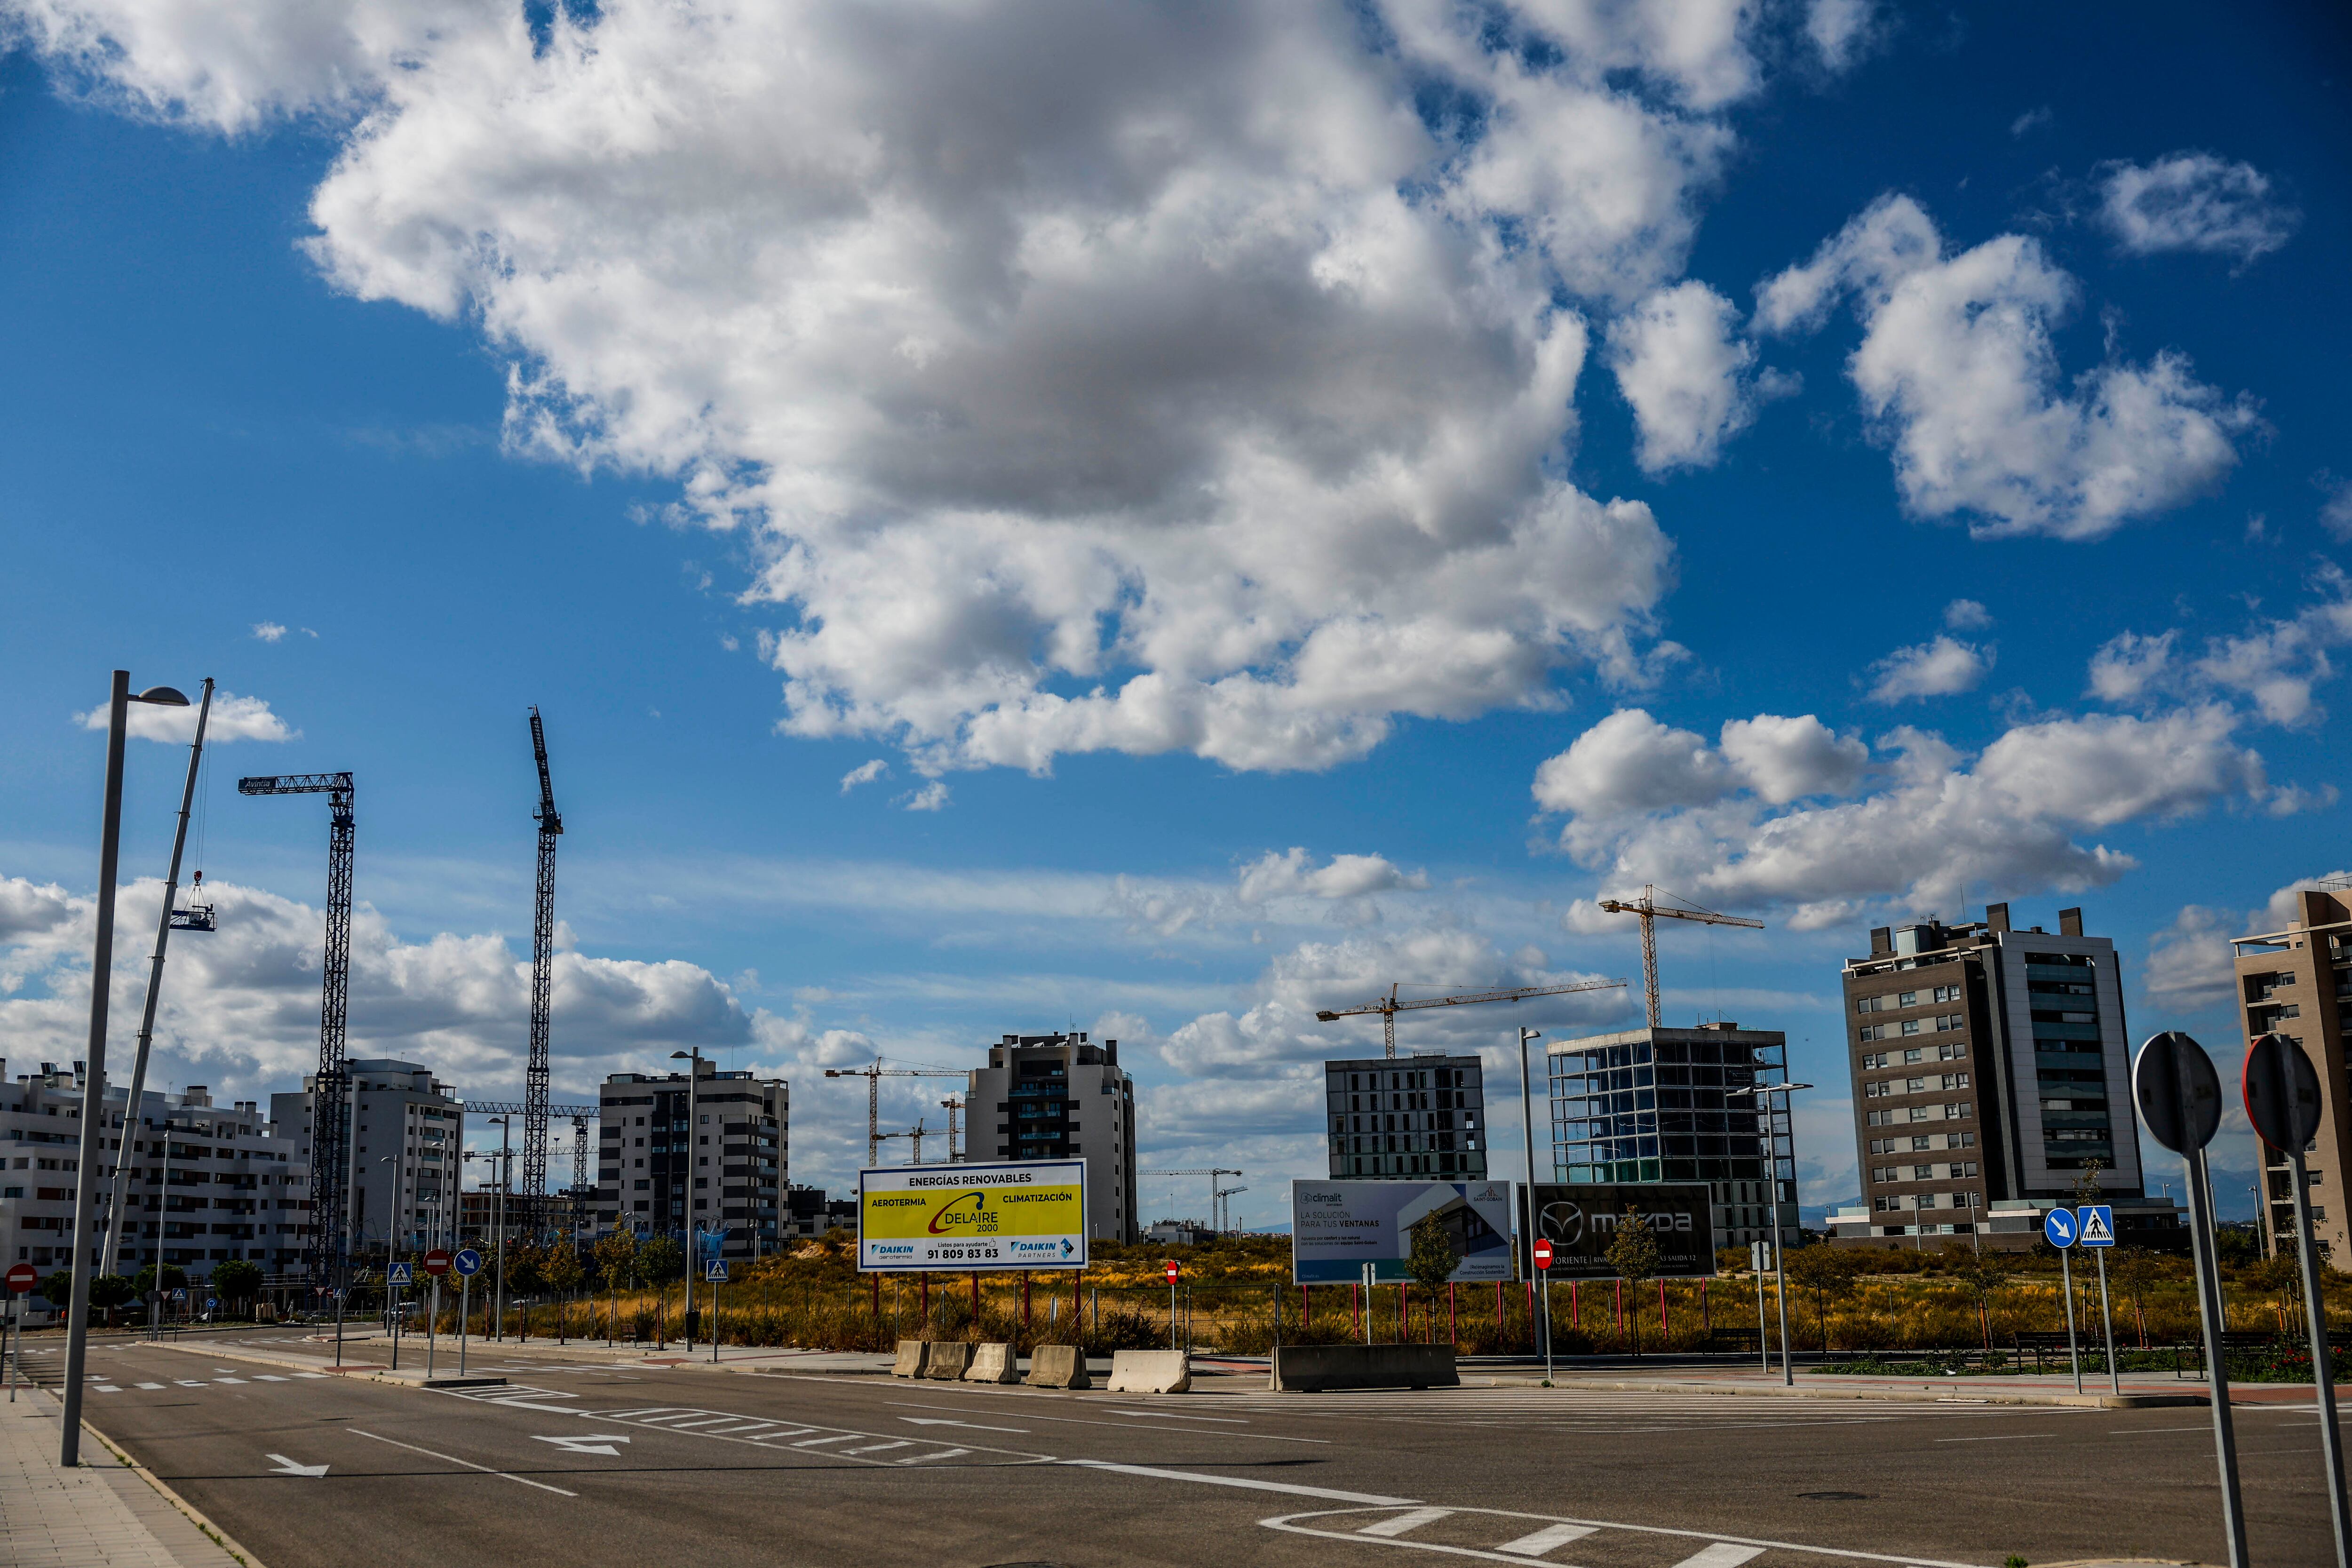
(2058, 1225)
(716, 1272)
(467, 1262)
(398, 1276)
(2097, 1224)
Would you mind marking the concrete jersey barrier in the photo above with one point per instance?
(911, 1359)
(992, 1363)
(1310, 1369)
(1058, 1366)
(1151, 1371)
(947, 1360)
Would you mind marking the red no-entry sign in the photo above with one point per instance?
(22, 1279)
(1543, 1254)
(1172, 1272)
(436, 1262)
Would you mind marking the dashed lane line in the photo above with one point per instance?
(452, 1459)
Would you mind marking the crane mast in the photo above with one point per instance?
(330, 1100)
(542, 963)
(1388, 1006)
(873, 1077)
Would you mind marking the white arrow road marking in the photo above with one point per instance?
(286, 1467)
(1405, 1521)
(1544, 1539)
(594, 1443)
(967, 1426)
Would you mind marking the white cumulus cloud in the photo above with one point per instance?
(1957, 367)
(1967, 615)
(2194, 201)
(233, 718)
(1843, 31)
(268, 631)
(1936, 669)
(1294, 874)
(1680, 364)
(864, 774)
(2275, 664)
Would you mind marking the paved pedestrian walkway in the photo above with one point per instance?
(100, 1514)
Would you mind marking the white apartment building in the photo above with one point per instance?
(208, 1184)
(406, 1157)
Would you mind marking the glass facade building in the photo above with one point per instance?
(1654, 1105)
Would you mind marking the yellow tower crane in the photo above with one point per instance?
(873, 1077)
(1388, 1006)
(1652, 911)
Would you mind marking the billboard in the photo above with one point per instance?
(1028, 1214)
(1337, 1227)
(1579, 1220)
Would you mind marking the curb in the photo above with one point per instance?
(194, 1515)
(1940, 1393)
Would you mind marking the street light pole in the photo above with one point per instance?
(693, 1060)
(505, 1173)
(1761, 1093)
(1528, 1223)
(93, 1101)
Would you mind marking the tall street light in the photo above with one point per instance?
(1527, 1130)
(93, 1101)
(1761, 1094)
(692, 1057)
(505, 1124)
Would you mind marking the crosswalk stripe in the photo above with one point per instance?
(1722, 1554)
(927, 1459)
(1544, 1539)
(1404, 1521)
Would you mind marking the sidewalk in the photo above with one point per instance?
(100, 1514)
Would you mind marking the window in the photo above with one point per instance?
(1950, 1053)
(1876, 1089)
(1911, 1026)
(1919, 1144)
(1908, 999)
(1881, 1118)
(1914, 1084)
(1947, 994)
(1911, 1055)
(1919, 1113)
(1874, 1061)
(1873, 1032)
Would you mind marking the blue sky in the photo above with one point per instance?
(1287, 504)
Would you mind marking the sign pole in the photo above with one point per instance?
(1763, 1339)
(465, 1306)
(2208, 1299)
(2323, 1369)
(432, 1322)
(2066, 1283)
(2108, 1317)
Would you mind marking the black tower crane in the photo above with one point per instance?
(535, 1203)
(330, 1095)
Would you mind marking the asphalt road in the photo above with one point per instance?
(580, 1466)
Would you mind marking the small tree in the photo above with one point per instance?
(659, 1259)
(1828, 1273)
(2280, 1279)
(108, 1292)
(1634, 1253)
(171, 1277)
(57, 1289)
(1981, 1274)
(564, 1274)
(237, 1280)
(2132, 1270)
(1431, 1261)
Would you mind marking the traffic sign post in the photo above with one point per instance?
(21, 1279)
(2283, 1101)
(1541, 1252)
(2058, 1227)
(468, 1263)
(2178, 1097)
(2094, 1224)
(1760, 1261)
(435, 1263)
(1174, 1270)
(715, 1276)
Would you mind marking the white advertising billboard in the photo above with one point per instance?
(1337, 1227)
(1030, 1214)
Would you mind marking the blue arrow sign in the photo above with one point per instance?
(2098, 1222)
(467, 1262)
(2058, 1225)
(399, 1275)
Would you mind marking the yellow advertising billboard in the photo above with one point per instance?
(1028, 1214)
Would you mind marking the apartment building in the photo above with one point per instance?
(2297, 981)
(1062, 1096)
(1990, 1068)
(1411, 1118)
(1655, 1105)
(405, 1158)
(208, 1184)
(678, 1155)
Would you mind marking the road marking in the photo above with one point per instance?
(2143, 1431)
(1722, 1554)
(267, 1377)
(1367, 1497)
(1720, 1551)
(1536, 1542)
(310, 1374)
(1121, 1425)
(927, 1459)
(238, 1380)
(470, 1464)
(1405, 1521)
(970, 1426)
(148, 1385)
(286, 1467)
(107, 1388)
(1177, 1416)
(813, 1442)
(2005, 1438)
(191, 1382)
(879, 1448)
(591, 1443)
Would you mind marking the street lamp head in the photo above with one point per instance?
(162, 697)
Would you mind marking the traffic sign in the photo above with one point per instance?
(716, 1272)
(436, 1262)
(468, 1262)
(2058, 1225)
(22, 1279)
(2097, 1224)
(2178, 1092)
(1174, 1270)
(1759, 1256)
(2282, 1091)
(1543, 1252)
(397, 1275)
(179, 1295)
